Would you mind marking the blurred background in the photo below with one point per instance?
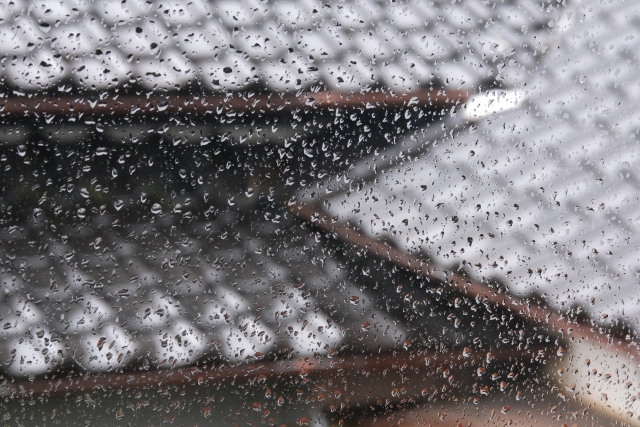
(302, 213)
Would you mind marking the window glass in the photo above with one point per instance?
(338, 213)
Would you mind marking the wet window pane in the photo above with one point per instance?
(340, 213)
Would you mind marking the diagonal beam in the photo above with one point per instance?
(472, 288)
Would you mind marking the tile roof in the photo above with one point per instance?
(120, 303)
(277, 45)
(542, 198)
(105, 295)
(104, 300)
(108, 307)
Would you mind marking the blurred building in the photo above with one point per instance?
(317, 213)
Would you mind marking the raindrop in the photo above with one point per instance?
(97, 242)
(68, 256)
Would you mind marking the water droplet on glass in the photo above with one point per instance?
(156, 209)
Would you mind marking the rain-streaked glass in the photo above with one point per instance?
(356, 212)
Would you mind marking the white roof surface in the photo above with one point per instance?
(543, 197)
(105, 44)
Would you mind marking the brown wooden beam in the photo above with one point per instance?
(114, 104)
(306, 367)
(523, 309)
